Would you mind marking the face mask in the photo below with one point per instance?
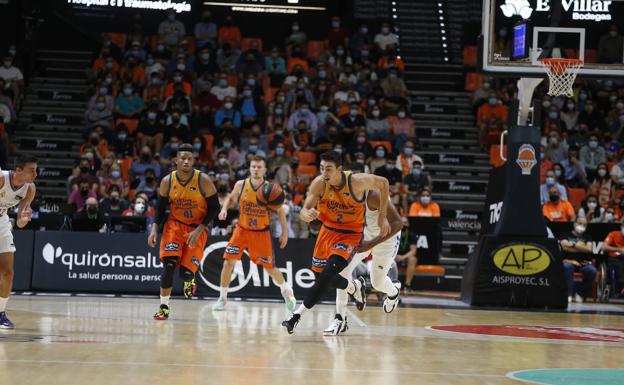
(554, 198)
(579, 229)
(375, 113)
(553, 114)
(89, 155)
(157, 82)
(550, 181)
(227, 144)
(582, 96)
(304, 111)
(127, 91)
(389, 166)
(122, 137)
(408, 151)
(279, 151)
(502, 33)
(160, 47)
(139, 207)
(295, 28)
(103, 91)
(114, 199)
(589, 109)
(570, 106)
(115, 174)
(281, 99)
(602, 172)
(592, 205)
(609, 217)
(363, 30)
(279, 111)
(197, 146)
(385, 30)
(612, 98)
(223, 83)
(364, 53)
(619, 105)
(174, 146)
(622, 230)
(181, 67)
(150, 62)
(353, 112)
(554, 140)
(558, 173)
(613, 33)
(361, 139)
(416, 171)
(300, 86)
(205, 56)
(322, 75)
(401, 114)
(109, 65)
(222, 161)
(324, 108)
(151, 116)
(546, 103)
(335, 24)
(84, 192)
(492, 101)
(339, 52)
(253, 148)
(92, 210)
(247, 93)
(145, 157)
(593, 144)
(108, 80)
(380, 153)
(542, 155)
(425, 200)
(100, 106)
(228, 105)
(338, 150)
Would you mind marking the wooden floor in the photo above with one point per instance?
(96, 340)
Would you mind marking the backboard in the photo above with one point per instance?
(518, 33)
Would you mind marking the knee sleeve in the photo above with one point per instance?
(166, 279)
(326, 279)
(185, 274)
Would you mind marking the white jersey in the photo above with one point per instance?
(372, 224)
(10, 197)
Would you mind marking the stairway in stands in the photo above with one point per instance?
(53, 112)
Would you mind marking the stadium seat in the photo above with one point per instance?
(246, 43)
(470, 55)
(192, 43)
(132, 124)
(495, 159)
(473, 81)
(385, 143)
(125, 165)
(119, 39)
(209, 139)
(576, 196)
(578, 278)
(430, 271)
(306, 157)
(315, 47)
(310, 170)
(269, 94)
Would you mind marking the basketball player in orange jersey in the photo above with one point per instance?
(253, 234)
(193, 203)
(338, 199)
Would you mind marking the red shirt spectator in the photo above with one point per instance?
(336, 35)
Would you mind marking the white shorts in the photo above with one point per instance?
(6, 235)
(383, 255)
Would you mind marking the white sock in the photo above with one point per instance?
(3, 302)
(302, 309)
(341, 302)
(164, 300)
(350, 287)
(223, 292)
(285, 289)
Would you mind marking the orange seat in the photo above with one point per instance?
(591, 56)
(308, 169)
(495, 159)
(315, 47)
(306, 157)
(493, 137)
(298, 198)
(119, 39)
(269, 94)
(385, 143)
(209, 139)
(246, 43)
(473, 81)
(430, 270)
(125, 165)
(576, 196)
(232, 80)
(191, 43)
(470, 55)
(131, 124)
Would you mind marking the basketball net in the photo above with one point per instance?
(561, 75)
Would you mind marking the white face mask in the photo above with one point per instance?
(592, 205)
(139, 207)
(609, 217)
(579, 229)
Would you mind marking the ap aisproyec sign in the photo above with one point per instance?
(178, 6)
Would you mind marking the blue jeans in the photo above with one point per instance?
(589, 274)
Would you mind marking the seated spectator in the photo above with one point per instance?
(227, 57)
(149, 185)
(592, 117)
(114, 180)
(603, 186)
(424, 207)
(359, 41)
(251, 109)
(569, 115)
(206, 63)
(407, 253)
(386, 38)
(557, 149)
(171, 31)
(415, 182)
(13, 78)
(206, 32)
(177, 128)
(557, 209)
(614, 246)
(574, 170)
(170, 149)
(303, 113)
(140, 208)
(135, 51)
(228, 112)
(559, 174)
(480, 95)
(145, 163)
(403, 129)
(491, 116)
(153, 67)
(336, 35)
(178, 101)
(577, 251)
(352, 122)
(278, 159)
(151, 130)
(617, 171)
(591, 211)
(77, 199)
(551, 181)
(114, 205)
(379, 158)
(610, 47)
(99, 115)
(545, 164)
(296, 38)
(90, 219)
(592, 155)
(129, 105)
(87, 173)
(253, 148)
(123, 145)
(229, 33)
(132, 73)
(378, 127)
(222, 90)
(406, 159)
(395, 90)
(359, 146)
(275, 66)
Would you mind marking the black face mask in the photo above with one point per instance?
(295, 165)
(222, 189)
(554, 198)
(175, 119)
(145, 157)
(95, 141)
(84, 192)
(92, 210)
(114, 200)
(84, 169)
(149, 179)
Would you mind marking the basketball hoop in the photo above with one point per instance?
(561, 73)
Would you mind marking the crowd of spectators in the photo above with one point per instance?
(11, 94)
(233, 97)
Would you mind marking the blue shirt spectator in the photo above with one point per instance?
(227, 112)
(303, 114)
(206, 32)
(146, 162)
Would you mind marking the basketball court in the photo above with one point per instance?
(104, 340)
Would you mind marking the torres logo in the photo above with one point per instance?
(521, 259)
(526, 158)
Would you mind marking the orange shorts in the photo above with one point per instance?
(258, 245)
(173, 244)
(330, 242)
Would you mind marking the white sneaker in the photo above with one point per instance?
(569, 299)
(291, 301)
(391, 303)
(578, 298)
(359, 295)
(337, 326)
(219, 305)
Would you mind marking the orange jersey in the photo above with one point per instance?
(340, 209)
(187, 203)
(252, 216)
(614, 239)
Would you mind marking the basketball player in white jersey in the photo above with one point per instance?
(17, 188)
(383, 250)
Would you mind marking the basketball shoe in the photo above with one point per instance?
(219, 305)
(162, 313)
(291, 323)
(359, 295)
(337, 326)
(190, 287)
(390, 303)
(5, 323)
(290, 300)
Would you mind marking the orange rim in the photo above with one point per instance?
(559, 65)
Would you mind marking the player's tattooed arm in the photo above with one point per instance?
(24, 212)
